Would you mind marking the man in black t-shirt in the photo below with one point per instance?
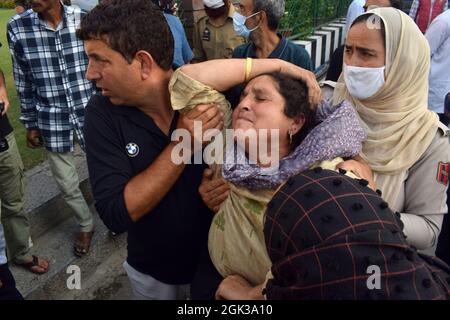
(137, 186)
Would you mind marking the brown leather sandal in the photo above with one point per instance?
(82, 243)
(33, 265)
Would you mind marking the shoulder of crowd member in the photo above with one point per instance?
(99, 104)
(75, 10)
(300, 56)
(20, 19)
(99, 112)
(439, 149)
(240, 51)
(12, 28)
(202, 20)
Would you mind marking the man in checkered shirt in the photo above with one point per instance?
(49, 70)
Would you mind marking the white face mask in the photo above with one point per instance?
(363, 83)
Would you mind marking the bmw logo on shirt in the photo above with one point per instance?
(132, 149)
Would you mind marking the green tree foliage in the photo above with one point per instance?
(302, 16)
(8, 4)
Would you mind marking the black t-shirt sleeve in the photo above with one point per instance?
(109, 167)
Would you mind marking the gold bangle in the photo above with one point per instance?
(248, 69)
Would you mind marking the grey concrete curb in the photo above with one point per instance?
(52, 232)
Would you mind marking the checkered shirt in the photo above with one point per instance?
(49, 71)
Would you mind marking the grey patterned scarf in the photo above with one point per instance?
(338, 134)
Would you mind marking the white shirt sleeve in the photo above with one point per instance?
(354, 11)
(436, 34)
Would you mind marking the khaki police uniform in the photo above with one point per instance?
(424, 192)
(215, 42)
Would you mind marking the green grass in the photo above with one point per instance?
(30, 157)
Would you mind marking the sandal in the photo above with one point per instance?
(82, 243)
(34, 265)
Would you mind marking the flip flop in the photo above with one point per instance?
(33, 264)
(82, 243)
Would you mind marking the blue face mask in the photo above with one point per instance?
(239, 24)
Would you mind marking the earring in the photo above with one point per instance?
(290, 136)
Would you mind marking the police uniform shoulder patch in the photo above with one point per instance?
(206, 36)
(443, 173)
(132, 149)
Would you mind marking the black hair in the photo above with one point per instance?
(129, 26)
(397, 4)
(164, 5)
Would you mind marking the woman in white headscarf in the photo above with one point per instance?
(386, 68)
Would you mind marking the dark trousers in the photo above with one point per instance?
(207, 279)
(8, 289)
(443, 248)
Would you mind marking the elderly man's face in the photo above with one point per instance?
(246, 8)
